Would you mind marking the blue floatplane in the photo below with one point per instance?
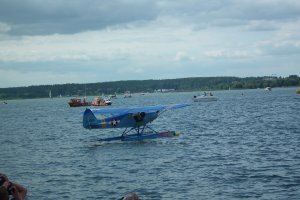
(132, 119)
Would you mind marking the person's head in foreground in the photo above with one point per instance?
(130, 196)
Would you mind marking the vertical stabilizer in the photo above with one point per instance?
(89, 120)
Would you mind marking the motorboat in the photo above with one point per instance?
(107, 101)
(268, 89)
(112, 96)
(77, 102)
(205, 98)
(98, 101)
(127, 94)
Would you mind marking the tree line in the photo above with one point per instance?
(134, 86)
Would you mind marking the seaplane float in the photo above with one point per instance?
(134, 120)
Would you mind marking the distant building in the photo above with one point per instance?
(269, 78)
(164, 90)
(293, 76)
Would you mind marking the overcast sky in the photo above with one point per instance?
(85, 41)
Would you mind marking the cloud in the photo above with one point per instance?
(4, 28)
(126, 39)
(32, 78)
(135, 41)
(32, 17)
(130, 70)
(182, 56)
(205, 14)
(47, 17)
(262, 25)
(285, 48)
(231, 54)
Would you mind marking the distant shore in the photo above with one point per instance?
(147, 86)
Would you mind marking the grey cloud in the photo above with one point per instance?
(191, 7)
(266, 10)
(262, 25)
(31, 17)
(286, 49)
(231, 12)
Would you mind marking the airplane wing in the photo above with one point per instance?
(124, 117)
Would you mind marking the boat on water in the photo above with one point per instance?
(297, 91)
(113, 96)
(98, 101)
(127, 94)
(268, 89)
(205, 97)
(77, 102)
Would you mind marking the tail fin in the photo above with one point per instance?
(89, 120)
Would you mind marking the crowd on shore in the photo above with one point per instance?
(10, 190)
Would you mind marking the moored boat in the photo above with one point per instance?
(76, 102)
(268, 89)
(98, 101)
(127, 94)
(113, 96)
(205, 98)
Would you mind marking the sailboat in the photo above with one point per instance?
(50, 95)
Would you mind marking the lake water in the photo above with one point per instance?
(246, 145)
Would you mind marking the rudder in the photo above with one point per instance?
(89, 120)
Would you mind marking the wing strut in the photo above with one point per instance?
(139, 130)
